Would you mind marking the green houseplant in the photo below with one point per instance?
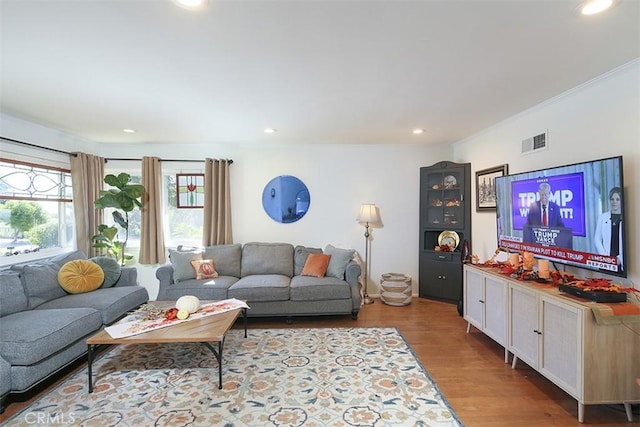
(124, 198)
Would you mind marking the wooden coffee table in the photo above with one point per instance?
(207, 330)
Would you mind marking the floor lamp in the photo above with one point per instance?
(368, 214)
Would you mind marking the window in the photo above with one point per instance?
(36, 209)
(182, 226)
(134, 217)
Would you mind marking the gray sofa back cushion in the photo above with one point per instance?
(41, 283)
(339, 260)
(267, 258)
(40, 280)
(181, 263)
(300, 257)
(226, 258)
(65, 258)
(12, 296)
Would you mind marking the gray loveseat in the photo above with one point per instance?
(43, 328)
(267, 276)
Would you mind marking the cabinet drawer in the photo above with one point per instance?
(446, 256)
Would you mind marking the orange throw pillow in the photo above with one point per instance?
(204, 268)
(80, 276)
(316, 265)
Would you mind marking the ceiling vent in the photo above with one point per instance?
(535, 143)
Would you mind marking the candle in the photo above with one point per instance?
(543, 268)
(528, 261)
(514, 260)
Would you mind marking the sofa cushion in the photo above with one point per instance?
(204, 268)
(209, 289)
(5, 377)
(40, 280)
(181, 263)
(48, 331)
(80, 276)
(300, 255)
(339, 260)
(266, 287)
(41, 283)
(111, 268)
(12, 296)
(226, 257)
(305, 288)
(316, 265)
(111, 303)
(69, 256)
(267, 258)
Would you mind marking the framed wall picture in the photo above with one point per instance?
(190, 190)
(485, 187)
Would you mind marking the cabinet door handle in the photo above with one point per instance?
(537, 332)
(481, 301)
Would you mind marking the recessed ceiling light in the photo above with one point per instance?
(418, 131)
(192, 4)
(270, 130)
(592, 7)
(129, 130)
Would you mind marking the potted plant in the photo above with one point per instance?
(124, 198)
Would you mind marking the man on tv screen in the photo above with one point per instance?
(544, 224)
(544, 212)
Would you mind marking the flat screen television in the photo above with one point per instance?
(569, 214)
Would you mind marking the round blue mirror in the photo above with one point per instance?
(285, 199)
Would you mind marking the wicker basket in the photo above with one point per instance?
(396, 289)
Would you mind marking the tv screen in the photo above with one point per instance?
(568, 214)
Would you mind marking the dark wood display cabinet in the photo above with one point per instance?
(445, 218)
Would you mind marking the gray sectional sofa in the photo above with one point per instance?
(43, 328)
(267, 276)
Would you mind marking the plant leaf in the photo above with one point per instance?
(119, 219)
(112, 180)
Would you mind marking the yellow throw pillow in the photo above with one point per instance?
(204, 268)
(80, 276)
(316, 265)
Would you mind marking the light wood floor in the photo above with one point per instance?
(469, 369)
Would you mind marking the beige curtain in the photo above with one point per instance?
(217, 203)
(87, 175)
(152, 250)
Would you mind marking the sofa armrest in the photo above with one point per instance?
(128, 277)
(164, 274)
(351, 275)
(352, 272)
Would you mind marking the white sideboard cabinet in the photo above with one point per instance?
(485, 304)
(556, 335)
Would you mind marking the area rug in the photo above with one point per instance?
(274, 377)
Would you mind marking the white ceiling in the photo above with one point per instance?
(318, 71)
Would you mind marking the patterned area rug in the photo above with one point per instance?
(275, 377)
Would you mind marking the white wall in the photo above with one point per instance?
(598, 119)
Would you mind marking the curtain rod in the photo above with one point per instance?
(15, 141)
(162, 160)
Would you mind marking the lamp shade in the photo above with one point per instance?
(368, 214)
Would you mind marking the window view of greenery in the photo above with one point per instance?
(36, 211)
(184, 226)
(135, 220)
